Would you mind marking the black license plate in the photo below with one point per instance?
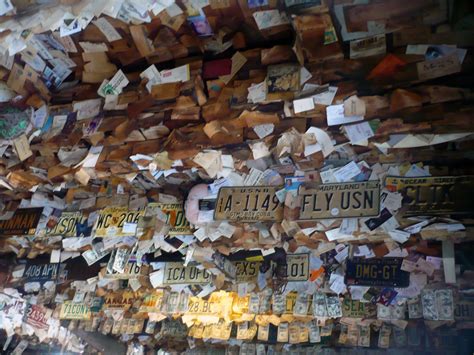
(41, 272)
(435, 194)
(376, 272)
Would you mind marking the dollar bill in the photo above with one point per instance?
(294, 329)
(364, 336)
(428, 300)
(326, 331)
(398, 311)
(343, 334)
(301, 305)
(263, 332)
(383, 312)
(352, 335)
(415, 311)
(399, 337)
(319, 305)
(384, 336)
(314, 334)
(334, 307)
(254, 303)
(242, 330)
(303, 333)
(247, 349)
(171, 303)
(265, 298)
(278, 303)
(282, 335)
(183, 303)
(445, 304)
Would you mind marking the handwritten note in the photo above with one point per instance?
(430, 69)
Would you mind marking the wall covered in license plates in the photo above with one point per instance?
(236, 176)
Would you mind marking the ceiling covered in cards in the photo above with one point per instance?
(111, 99)
(185, 137)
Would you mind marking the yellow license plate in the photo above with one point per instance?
(248, 204)
(342, 200)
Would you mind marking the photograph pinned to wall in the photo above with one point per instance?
(283, 77)
(292, 183)
(200, 24)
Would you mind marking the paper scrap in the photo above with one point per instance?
(358, 132)
(302, 105)
(264, 130)
(270, 18)
(22, 147)
(347, 172)
(107, 29)
(335, 116)
(322, 139)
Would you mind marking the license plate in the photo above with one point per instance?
(152, 302)
(342, 200)
(464, 310)
(246, 270)
(111, 221)
(71, 310)
(376, 272)
(173, 328)
(37, 316)
(132, 270)
(248, 204)
(198, 305)
(23, 222)
(66, 225)
(176, 273)
(119, 300)
(436, 195)
(174, 217)
(358, 309)
(41, 272)
(297, 270)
